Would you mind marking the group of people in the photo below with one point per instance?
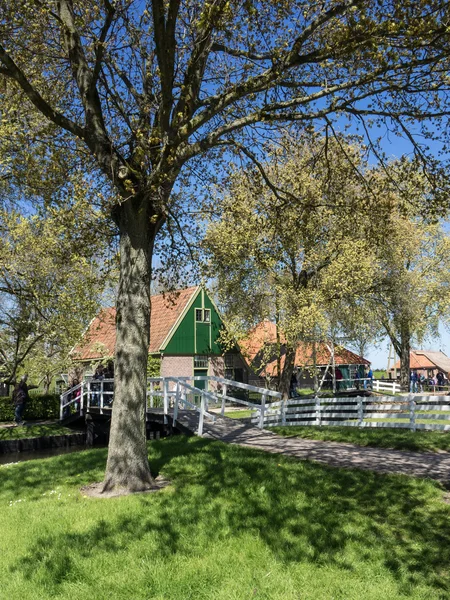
(417, 382)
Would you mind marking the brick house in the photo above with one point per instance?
(184, 328)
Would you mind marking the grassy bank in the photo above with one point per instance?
(31, 431)
(235, 524)
(399, 439)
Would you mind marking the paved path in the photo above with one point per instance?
(336, 454)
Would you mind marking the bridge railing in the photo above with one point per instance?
(219, 396)
(169, 392)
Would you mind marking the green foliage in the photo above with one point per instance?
(153, 366)
(50, 285)
(297, 257)
(234, 523)
(38, 407)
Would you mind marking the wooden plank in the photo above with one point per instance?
(246, 386)
(368, 407)
(389, 415)
(432, 427)
(429, 407)
(435, 417)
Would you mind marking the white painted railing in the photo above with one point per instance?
(386, 386)
(169, 388)
(170, 392)
(405, 412)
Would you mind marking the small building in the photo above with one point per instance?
(261, 350)
(426, 362)
(184, 334)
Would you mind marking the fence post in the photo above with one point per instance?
(283, 411)
(317, 406)
(166, 399)
(200, 419)
(101, 397)
(412, 412)
(224, 394)
(262, 410)
(360, 410)
(175, 408)
(152, 389)
(81, 407)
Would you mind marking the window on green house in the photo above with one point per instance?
(202, 315)
(200, 362)
(229, 361)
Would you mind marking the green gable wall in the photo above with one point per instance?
(196, 338)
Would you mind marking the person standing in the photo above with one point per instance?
(413, 379)
(440, 380)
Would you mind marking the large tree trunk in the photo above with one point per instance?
(127, 466)
(288, 369)
(404, 354)
(402, 346)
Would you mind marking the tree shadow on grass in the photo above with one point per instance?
(300, 510)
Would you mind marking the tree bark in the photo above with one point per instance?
(404, 354)
(288, 368)
(127, 466)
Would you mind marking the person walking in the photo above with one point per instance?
(413, 380)
(20, 399)
(440, 380)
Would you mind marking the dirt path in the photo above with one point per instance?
(336, 454)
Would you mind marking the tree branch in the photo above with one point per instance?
(14, 72)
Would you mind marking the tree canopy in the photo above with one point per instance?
(50, 285)
(296, 259)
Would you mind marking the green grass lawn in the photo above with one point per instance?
(235, 524)
(399, 439)
(239, 414)
(31, 431)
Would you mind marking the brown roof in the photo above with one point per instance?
(100, 339)
(427, 359)
(264, 335)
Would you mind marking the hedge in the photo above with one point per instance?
(38, 407)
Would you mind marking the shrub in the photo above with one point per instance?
(38, 407)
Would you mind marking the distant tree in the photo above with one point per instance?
(50, 286)
(135, 91)
(294, 260)
(414, 291)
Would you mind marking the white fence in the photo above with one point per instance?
(172, 394)
(386, 386)
(404, 412)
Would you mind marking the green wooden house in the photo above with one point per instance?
(184, 332)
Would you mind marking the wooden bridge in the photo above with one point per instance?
(180, 402)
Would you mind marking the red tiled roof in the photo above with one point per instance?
(419, 360)
(265, 333)
(100, 339)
